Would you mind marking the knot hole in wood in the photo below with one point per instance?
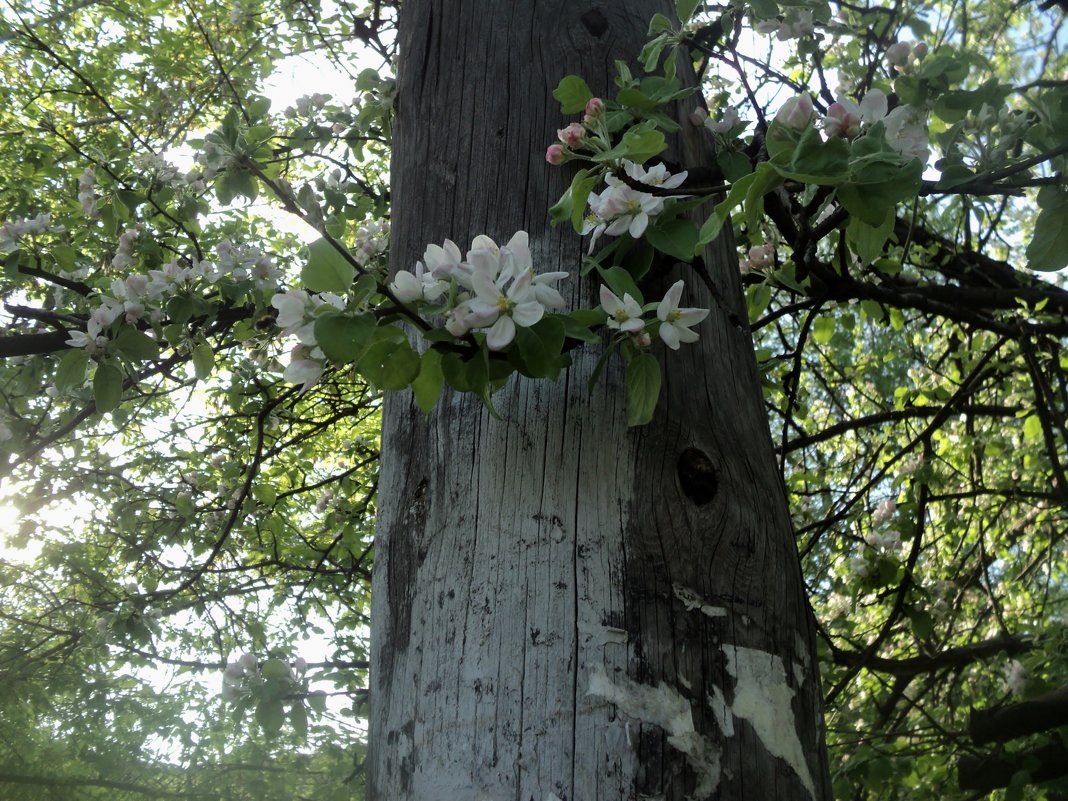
(697, 476)
(594, 22)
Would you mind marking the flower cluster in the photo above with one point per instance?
(623, 209)
(674, 324)
(905, 131)
(904, 56)
(240, 677)
(306, 106)
(792, 26)
(297, 312)
(493, 289)
(144, 296)
(372, 239)
(86, 195)
(13, 230)
(904, 126)
(721, 127)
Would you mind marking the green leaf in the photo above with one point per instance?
(639, 144)
(389, 364)
(540, 346)
(633, 98)
(274, 669)
(298, 718)
(270, 715)
(180, 309)
(136, 345)
(621, 283)
(677, 238)
(684, 9)
(107, 387)
(867, 241)
(70, 373)
(823, 329)
(203, 360)
(643, 388)
(65, 257)
(1033, 428)
(326, 270)
(659, 23)
(1048, 248)
(342, 338)
(427, 385)
(577, 324)
(748, 189)
(572, 93)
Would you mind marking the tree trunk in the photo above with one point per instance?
(564, 607)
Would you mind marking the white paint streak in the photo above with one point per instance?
(691, 600)
(665, 707)
(762, 697)
(722, 711)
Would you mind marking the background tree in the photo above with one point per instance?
(187, 499)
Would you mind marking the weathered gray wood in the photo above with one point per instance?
(523, 562)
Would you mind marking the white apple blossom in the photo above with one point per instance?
(883, 512)
(656, 175)
(1015, 677)
(445, 261)
(302, 369)
(623, 315)
(409, 287)
(515, 306)
(675, 323)
(906, 132)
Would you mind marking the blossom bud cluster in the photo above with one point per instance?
(674, 324)
(904, 56)
(759, 258)
(577, 135)
(493, 289)
(622, 209)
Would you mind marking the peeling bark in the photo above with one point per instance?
(542, 579)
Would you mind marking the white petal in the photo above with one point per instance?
(501, 334)
(526, 314)
(670, 335)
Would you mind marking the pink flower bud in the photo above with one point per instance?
(698, 117)
(556, 155)
(572, 135)
(840, 121)
(594, 109)
(920, 50)
(796, 112)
